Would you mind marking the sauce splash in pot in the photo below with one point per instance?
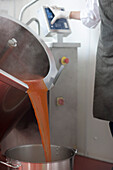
(38, 95)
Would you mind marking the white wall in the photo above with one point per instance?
(93, 135)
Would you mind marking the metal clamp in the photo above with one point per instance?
(9, 165)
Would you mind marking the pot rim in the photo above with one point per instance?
(52, 162)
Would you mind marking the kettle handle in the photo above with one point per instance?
(58, 74)
(9, 165)
(51, 82)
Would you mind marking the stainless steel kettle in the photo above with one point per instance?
(23, 56)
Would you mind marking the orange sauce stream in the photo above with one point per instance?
(38, 95)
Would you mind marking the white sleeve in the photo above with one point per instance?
(90, 16)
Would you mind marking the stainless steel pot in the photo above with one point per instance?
(31, 157)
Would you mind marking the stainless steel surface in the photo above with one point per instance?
(63, 118)
(60, 38)
(32, 156)
(30, 60)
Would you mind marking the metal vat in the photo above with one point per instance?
(24, 56)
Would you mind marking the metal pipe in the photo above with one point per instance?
(36, 20)
(25, 7)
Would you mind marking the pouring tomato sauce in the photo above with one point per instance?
(38, 95)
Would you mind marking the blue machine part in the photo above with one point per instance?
(59, 24)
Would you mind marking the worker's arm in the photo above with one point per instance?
(89, 16)
(74, 15)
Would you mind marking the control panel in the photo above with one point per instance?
(61, 26)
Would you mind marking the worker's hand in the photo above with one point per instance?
(58, 13)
